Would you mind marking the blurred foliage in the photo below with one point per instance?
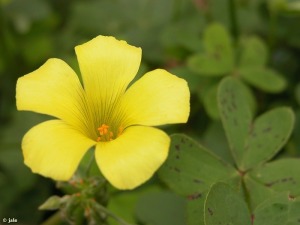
(202, 41)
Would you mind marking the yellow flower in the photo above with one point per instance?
(103, 112)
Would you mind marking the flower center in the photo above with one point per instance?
(106, 134)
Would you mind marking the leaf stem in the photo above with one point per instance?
(272, 28)
(233, 19)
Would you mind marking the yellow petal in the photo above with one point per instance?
(107, 67)
(53, 89)
(54, 149)
(157, 98)
(133, 157)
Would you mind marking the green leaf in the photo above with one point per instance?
(281, 209)
(195, 203)
(195, 209)
(280, 175)
(210, 102)
(205, 85)
(218, 57)
(117, 203)
(256, 191)
(191, 169)
(207, 65)
(129, 199)
(254, 53)
(263, 78)
(161, 209)
(223, 205)
(235, 114)
(215, 132)
(267, 135)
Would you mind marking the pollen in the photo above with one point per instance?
(106, 133)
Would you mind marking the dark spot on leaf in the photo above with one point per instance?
(194, 196)
(270, 184)
(289, 179)
(183, 140)
(267, 129)
(198, 181)
(177, 147)
(177, 156)
(252, 218)
(291, 197)
(253, 134)
(282, 180)
(210, 211)
(177, 170)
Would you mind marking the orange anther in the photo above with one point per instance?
(105, 134)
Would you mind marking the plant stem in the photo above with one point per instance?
(55, 219)
(89, 165)
(110, 214)
(233, 19)
(272, 28)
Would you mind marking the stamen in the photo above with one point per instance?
(105, 134)
(103, 129)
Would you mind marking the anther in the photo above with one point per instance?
(105, 134)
